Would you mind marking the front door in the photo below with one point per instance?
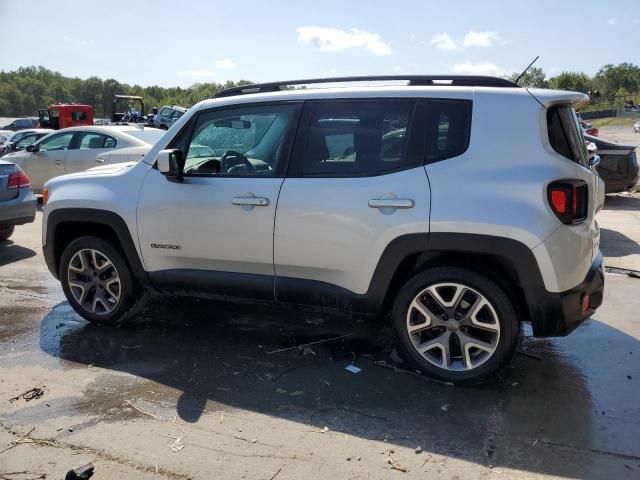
(49, 160)
(213, 232)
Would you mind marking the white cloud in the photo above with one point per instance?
(335, 40)
(476, 69)
(612, 22)
(444, 41)
(480, 39)
(199, 73)
(226, 63)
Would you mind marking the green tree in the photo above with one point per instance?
(534, 78)
(574, 81)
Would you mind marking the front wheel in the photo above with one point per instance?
(98, 283)
(455, 325)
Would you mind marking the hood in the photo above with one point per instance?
(104, 169)
(128, 151)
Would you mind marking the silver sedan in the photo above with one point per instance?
(76, 149)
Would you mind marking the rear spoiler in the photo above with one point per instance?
(548, 98)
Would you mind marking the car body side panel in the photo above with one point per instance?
(500, 187)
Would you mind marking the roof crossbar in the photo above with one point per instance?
(413, 80)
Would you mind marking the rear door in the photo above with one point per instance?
(85, 149)
(357, 182)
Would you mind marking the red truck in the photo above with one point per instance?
(65, 115)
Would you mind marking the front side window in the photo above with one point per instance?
(565, 134)
(92, 140)
(241, 141)
(356, 138)
(56, 142)
(24, 141)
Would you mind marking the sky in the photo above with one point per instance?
(182, 42)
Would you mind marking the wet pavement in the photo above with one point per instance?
(204, 373)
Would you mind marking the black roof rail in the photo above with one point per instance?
(414, 80)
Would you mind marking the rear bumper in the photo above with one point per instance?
(19, 210)
(558, 314)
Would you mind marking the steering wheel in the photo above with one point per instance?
(232, 160)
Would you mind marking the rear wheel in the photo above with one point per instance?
(98, 282)
(6, 232)
(455, 324)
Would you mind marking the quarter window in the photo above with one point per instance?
(448, 126)
(356, 138)
(251, 141)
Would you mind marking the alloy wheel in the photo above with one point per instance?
(94, 281)
(453, 326)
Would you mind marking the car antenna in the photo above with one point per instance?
(525, 70)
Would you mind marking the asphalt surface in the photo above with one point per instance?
(193, 391)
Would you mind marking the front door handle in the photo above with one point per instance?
(253, 201)
(391, 203)
(58, 162)
(100, 160)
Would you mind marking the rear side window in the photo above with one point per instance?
(565, 134)
(447, 128)
(360, 138)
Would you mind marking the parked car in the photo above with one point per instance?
(76, 149)
(7, 146)
(167, 116)
(4, 135)
(17, 201)
(618, 165)
(589, 129)
(636, 127)
(291, 197)
(25, 140)
(22, 123)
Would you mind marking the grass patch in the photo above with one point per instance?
(612, 121)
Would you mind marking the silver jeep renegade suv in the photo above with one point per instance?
(458, 207)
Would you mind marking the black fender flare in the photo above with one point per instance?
(57, 218)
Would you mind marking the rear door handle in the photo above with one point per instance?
(100, 160)
(391, 203)
(58, 162)
(253, 201)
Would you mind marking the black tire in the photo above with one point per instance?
(132, 296)
(6, 232)
(506, 316)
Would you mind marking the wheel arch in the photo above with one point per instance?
(507, 262)
(65, 225)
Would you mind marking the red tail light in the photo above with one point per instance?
(569, 200)
(18, 179)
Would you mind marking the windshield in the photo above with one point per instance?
(147, 135)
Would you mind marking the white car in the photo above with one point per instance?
(458, 210)
(636, 127)
(77, 149)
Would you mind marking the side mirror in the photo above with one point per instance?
(170, 164)
(594, 161)
(32, 148)
(10, 146)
